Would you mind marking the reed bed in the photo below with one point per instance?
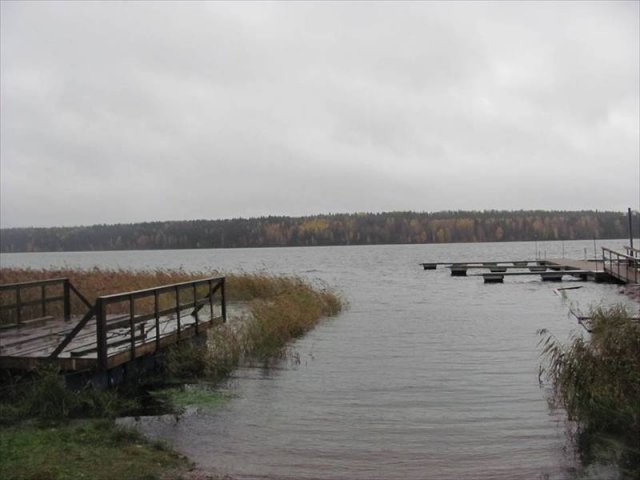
(596, 379)
(281, 310)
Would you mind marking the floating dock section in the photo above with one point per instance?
(612, 267)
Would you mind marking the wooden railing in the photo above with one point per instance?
(633, 252)
(32, 300)
(117, 327)
(166, 302)
(622, 266)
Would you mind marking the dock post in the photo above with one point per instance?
(224, 302)
(101, 334)
(132, 327)
(67, 300)
(43, 295)
(178, 310)
(156, 309)
(195, 308)
(210, 283)
(18, 305)
(630, 230)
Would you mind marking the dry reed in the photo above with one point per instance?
(283, 308)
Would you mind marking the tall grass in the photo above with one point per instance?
(597, 381)
(281, 310)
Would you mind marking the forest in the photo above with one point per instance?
(333, 229)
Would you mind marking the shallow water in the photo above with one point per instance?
(423, 376)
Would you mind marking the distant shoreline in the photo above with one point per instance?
(390, 228)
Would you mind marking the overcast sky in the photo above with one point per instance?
(123, 112)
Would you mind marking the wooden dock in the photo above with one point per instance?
(612, 267)
(113, 331)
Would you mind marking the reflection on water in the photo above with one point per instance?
(424, 376)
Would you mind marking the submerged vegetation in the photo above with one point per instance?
(596, 379)
(42, 436)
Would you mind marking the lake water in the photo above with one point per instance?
(424, 376)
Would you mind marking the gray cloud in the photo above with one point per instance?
(120, 112)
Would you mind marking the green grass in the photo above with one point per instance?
(95, 449)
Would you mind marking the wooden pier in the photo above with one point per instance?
(51, 322)
(612, 267)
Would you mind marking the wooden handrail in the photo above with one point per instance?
(35, 283)
(625, 268)
(44, 299)
(213, 283)
(620, 255)
(634, 252)
(164, 288)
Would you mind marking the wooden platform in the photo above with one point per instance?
(568, 263)
(24, 347)
(113, 331)
(546, 276)
(547, 269)
(513, 263)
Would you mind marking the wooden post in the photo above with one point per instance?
(210, 282)
(101, 333)
(156, 306)
(67, 300)
(132, 336)
(224, 302)
(630, 230)
(43, 294)
(195, 306)
(178, 310)
(18, 305)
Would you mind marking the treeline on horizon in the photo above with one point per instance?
(334, 229)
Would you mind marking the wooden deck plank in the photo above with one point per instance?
(24, 346)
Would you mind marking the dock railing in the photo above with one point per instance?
(633, 252)
(32, 301)
(622, 266)
(167, 302)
